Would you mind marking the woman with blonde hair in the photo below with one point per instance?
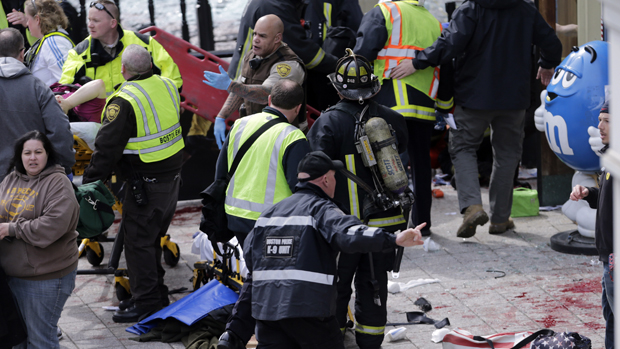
(46, 21)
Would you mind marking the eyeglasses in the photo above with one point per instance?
(99, 6)
(36, 10)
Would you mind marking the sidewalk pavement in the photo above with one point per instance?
(541, 288)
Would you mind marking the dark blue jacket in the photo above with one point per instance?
(492, 44)
(291, 253)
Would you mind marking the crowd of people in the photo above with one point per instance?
(299, 195)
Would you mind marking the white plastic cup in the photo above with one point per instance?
(396, 334)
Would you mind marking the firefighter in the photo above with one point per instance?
(333, 133)
(390, 32)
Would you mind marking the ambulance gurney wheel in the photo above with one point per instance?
(92, 256)
(213, 343)
(169, 256)
(121, 293)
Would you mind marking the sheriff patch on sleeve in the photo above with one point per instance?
(111, 112)
(279, 246)
(283, 69)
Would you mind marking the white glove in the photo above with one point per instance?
(596, 143)
(539, 114)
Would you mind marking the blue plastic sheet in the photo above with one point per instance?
(190, 309)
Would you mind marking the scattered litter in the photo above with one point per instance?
(423, 304)
(417, 317)
(450, 213)
(430, 245)
(595, 262)
(440, 179)
(502, 274)
(549, 208)
(395, 287)
(437, 193)
(396, 334)
(111, 308)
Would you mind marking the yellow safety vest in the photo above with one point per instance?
(259, 182)
(410, 27)
(157, 117)
(110, 72)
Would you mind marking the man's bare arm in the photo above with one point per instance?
(253, 93)
(233, 102)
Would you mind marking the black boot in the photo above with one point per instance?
(135, 313)
(229, 340)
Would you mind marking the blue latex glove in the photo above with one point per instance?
(70, 175)
(440, 120)
(219, 131)
(219, 81)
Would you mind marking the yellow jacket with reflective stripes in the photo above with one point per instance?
(80, 61)
(259, 182)
(156, 104)
(409, 27)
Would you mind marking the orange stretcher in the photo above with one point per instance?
(196, 96)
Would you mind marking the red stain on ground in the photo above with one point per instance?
(584, 287)
(183, 214)
(548, 321)
(522, 295)
(594, 325)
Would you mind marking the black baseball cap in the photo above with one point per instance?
(605, 108)
(316, 164)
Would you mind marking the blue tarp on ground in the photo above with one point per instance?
(190, 309)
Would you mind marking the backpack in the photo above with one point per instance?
(96, 214)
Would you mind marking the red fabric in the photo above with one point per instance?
(88, 111)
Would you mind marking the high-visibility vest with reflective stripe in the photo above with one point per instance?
(410, 27)
(155, 103)
(259, 182)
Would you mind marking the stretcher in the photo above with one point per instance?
(227, 265)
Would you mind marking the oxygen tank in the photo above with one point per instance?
(386, 153)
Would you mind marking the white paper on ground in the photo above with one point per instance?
(111, 308)
(395, 287)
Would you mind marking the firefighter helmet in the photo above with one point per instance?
(354, 79)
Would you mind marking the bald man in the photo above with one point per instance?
(269, 61)
(140, 137)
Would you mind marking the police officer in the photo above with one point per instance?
(269, 61)
(389, 32)
(266, 175)
(99, 55)
(334, 134)
(292, 252)
(141, 135)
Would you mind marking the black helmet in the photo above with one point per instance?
(354, 79)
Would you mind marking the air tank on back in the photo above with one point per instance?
(385, 150)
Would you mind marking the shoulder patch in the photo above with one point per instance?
(283, 69)
(608, 175)
(112, 111)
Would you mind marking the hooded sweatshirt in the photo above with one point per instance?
(27, 104)
(43, 213)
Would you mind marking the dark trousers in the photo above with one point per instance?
(302, 333)
(241, 321)
(144, 226)
(370, 318)
(419, 149)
